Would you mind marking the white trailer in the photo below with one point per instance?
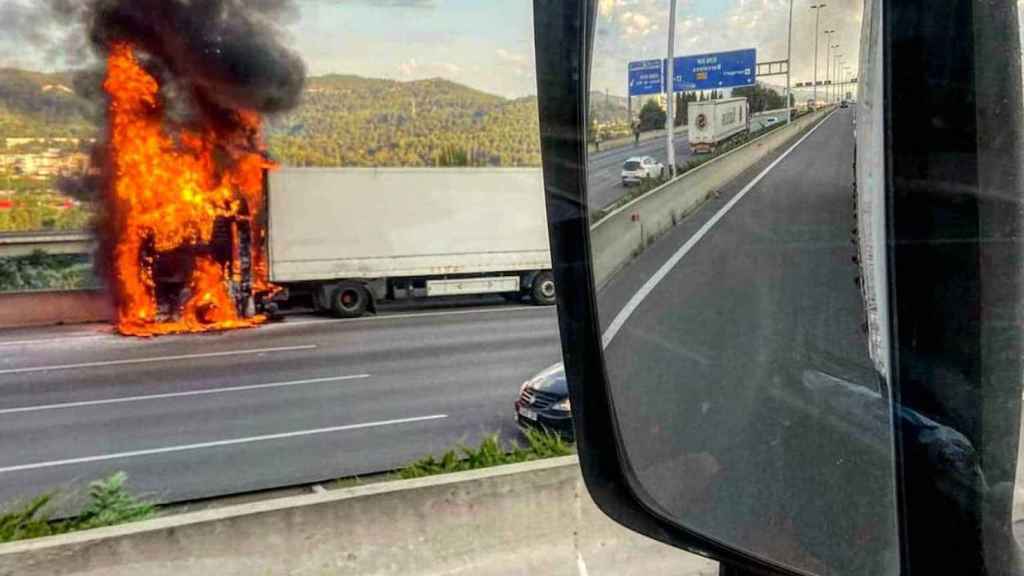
(713, 122)
(352, 237)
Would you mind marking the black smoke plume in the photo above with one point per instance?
(228, 53)
(212, 58)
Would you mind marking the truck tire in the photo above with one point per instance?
(349, 300)
(543, 289)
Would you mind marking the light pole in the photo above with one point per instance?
(834, 68)
(789, 65)
(838, 58)
(817, 17)
(669, 80)
(828, 58)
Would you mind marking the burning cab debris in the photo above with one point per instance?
(183, 230)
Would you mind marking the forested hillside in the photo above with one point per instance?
(342, 121)
(34, 104)
(353, 121)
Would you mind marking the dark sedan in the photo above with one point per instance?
(543, 403)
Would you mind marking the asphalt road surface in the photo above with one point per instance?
(303, 401)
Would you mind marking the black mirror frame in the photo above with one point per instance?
(563, 35)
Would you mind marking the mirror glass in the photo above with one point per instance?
(735, 256)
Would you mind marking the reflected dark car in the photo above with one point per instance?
(543, 403)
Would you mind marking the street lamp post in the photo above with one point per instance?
(838, 58)
(828, 58)
(836, 94)
(669, 80)
(789, 66)
(817, 17)
(834, 67)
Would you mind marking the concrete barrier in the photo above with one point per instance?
(617, 238)
(18, 309)
(533, 518)
(26, 243)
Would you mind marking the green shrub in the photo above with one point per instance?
(540, 444)
(41, 271)
(110, 503)
(30, 520)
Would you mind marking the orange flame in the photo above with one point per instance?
(168, 190)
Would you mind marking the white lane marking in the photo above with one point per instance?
(125, 399)
(217, 443)
(55, 340)
(156, 359)
(652, 282)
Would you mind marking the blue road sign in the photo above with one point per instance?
(713, 71)
(645, 77)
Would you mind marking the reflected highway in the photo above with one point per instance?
(605, 167)
(744, 357)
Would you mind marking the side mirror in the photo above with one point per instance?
(778, 359)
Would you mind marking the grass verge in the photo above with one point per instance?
(110, 503)
(41, 271)
(539, 444)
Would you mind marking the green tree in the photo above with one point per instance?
(761, 98)
(652, 115)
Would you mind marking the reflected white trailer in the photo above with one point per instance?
(713, 122)
(352, 237)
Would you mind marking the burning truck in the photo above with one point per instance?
(183, 162)
(200, 231)
(184, 212)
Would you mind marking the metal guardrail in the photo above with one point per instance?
(26, 243)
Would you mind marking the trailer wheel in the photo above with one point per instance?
(543, 289)
(349, 300)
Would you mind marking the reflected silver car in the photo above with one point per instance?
(639, 168)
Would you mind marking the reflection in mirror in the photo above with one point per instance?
(741, 300)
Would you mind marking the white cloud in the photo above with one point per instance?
(636, 24)
(449, 67)
(519, 64)
(408, 68)
(506, 57)
(606, 7)
(413, 69)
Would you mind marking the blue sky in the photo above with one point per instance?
(488, 44)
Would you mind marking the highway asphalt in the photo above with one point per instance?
(303, 401)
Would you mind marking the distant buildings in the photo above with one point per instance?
(48, 163)
(38, 158)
